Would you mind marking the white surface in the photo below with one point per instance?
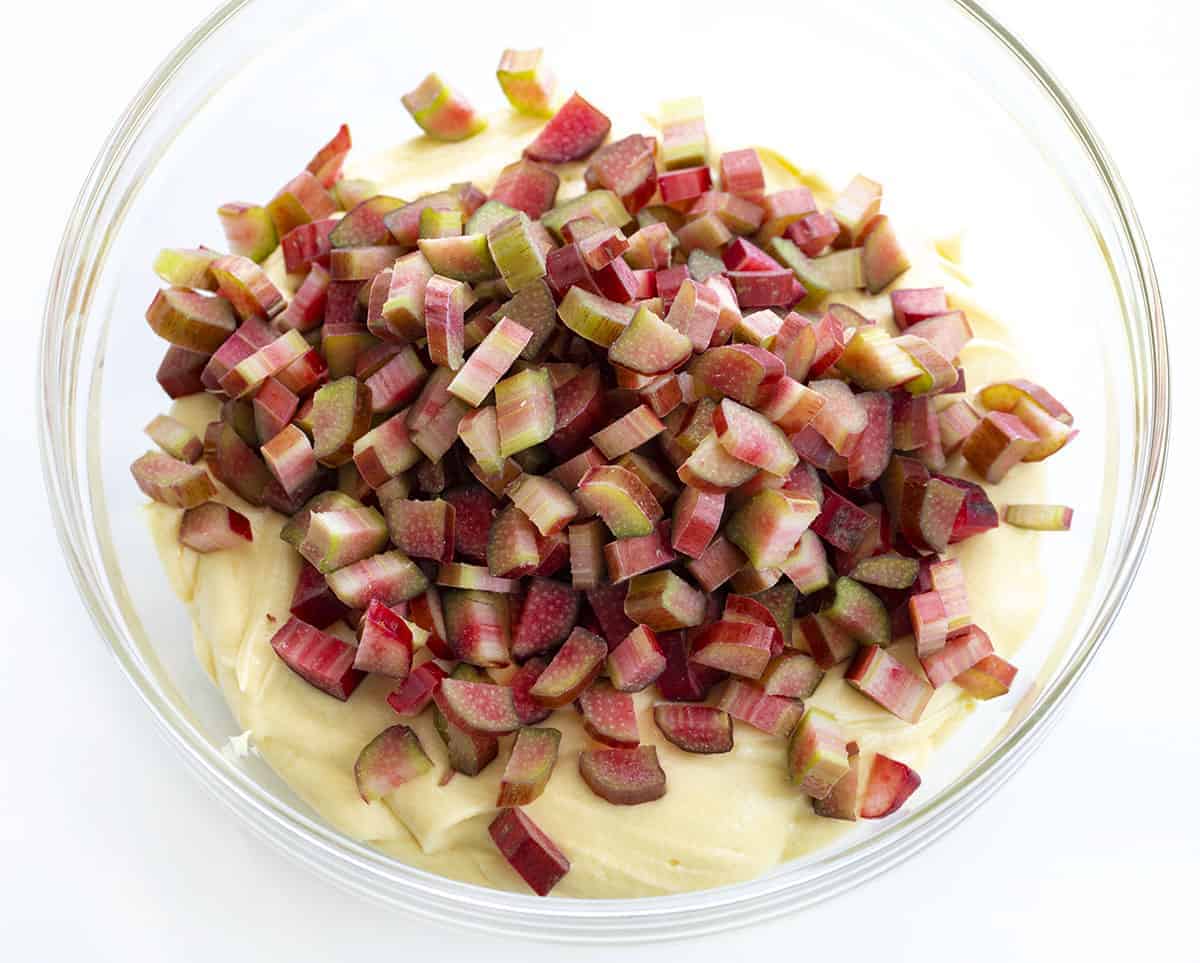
(110, 850)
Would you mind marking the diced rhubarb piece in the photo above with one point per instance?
(339, 537)
(807, 568)
(701, 266)
(661, 483)
(960, 653)
(998, 443)
(609, 716)
(529, 710)
(948, 580)
(857, 206)
(910, 305)
(630, 431)
(388, 761)
(940, 504)
(572, 669)
(249, 373)
(620, 498)
(768, 527)
(479, 432)
(744, 609)
(235, 463)
(306, 310)
(443, 113)
(890, 570)
(650, 345)
(528, 850)
(573, 132)
(446, 302)
(616, 281)
(813, 233)
(742, 174)
(386, 451)
(1039, 518)
(364, 225)
(858, 612)
(750, 580)
(955, 424)
(249, 231)
(307, 246)
(717, 564)
(171, 481)
(668, 282)
(412, 695)
(683, 680)
(425, 612)
(213, 527)
(341, 416)
(547, 504)
(740, 648)
(937, 373)
(391, 577)
(748, 703)
(889, 785)
(696, 518)
(663, 601)
(743, 256)
(692, 728)
(650, 247)
(477, 626)
(512, 549)
(465, 258)
(948, 333)
(695, 311)
(180, 373)
(525, 410)
(534, 753)
(423, 529)
(548, 615)
(793, 675)
(290, 459)
(843, 417)
(783, 208)
(301, 200)
(385, 642)
(578, 411)
(625, 167)
(842, 801)
(738, 214)
(397, 381)
(190, 320)
(988, 678)
(874, 360)
(758, 328)
(527, 187)
(322, 660)
(817, 755)
(627, 557)
(1007, 396)
(637, 661)
(600, 246)
(515, 253)
(477, 706)
(469, 752)
(796, 345)
(890, 683)
(752, 438)
(185, 267)
(741, 372)
(883, 260)
(624, 777)
(927, 615)
(586, 553)
(175, 438)
(684, 183)
(684, 135)
(326, 164)
(764, 289)
(527, 83)
(826, 642)
(977, 514)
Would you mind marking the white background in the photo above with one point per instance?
(109, 849)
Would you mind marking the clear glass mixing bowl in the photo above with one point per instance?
(931, 95)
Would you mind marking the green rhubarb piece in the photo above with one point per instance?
(248, 229)
(441, 112)
(858, 612)
(440, 223)
(487, 216)
(187, 267)
(194, 321)
(769, 526)
(648, 345)
(524, 410)
(684, 136)
(465, 258)
(516, 253)
(603, 205)
(664, 602)
(528, 84)
(593, 317)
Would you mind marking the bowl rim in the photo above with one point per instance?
(519, 914)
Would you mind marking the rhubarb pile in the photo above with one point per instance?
(547, 451)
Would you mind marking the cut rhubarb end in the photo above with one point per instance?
(528, 850)
(1039, 518)
(340, 537)
(650, 345)
(748, 703)
(718, 563)
(391, 577)
(988, 678)
(998, 442)
(172, 482)
(468, 752)
(586, 542)
(959, 654)
(927, 616)
(573, 132)
(697, 516)
(323, 661)
(313, 601)
(637, 662)
(175, 438)
(705, 730)
(792, 676)
(572, 669)
(630, 431)
(889, 785)
(842, 801)
(858, 612)
(627, 557)
(817, 757)
(248, 229)
(526, 81)
(609, 716)
(624, 777)
(525, 410)
(388, 761)
(193, 321)
(620, 498)
(684, 135)
(547, 616)
(769, 526)
(889, 683)
(739, 648)
(663, 602)
(213, 528)
(478, 706)
(441, 112)
(385, 642)
(752, 438)
(534, 753)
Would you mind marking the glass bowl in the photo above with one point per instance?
(932, 96)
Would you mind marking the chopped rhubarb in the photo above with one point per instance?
(609, 716)
(441, 112)
(793, 675)
(753, 439)
(624, 777)
(572, 669)
(696, 518)
(739, 648)
(817, 756)
(630, 431)
(890, 683)
(548, 615)
(663, 601)
(391, 577)
(527, 83)
(988, 678)
(313, 601)
(769, 526)
(889, 785)
(627, 557)
(411, 696)
(586, 542)
(619, 497)
(1040, 518)
(528, 850)
(637, 661)
(385, 642)
(692, 728)
(748, 703)
(171, 481)
(525, 410)
(573, 132)
(212, 527)
(742, 174)
(388, 761)
(717, 564)
(322, 660)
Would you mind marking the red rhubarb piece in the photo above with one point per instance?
(571, 670)
(212, 527)
(609, 715)
(625, 167)
(748, 703)
(573, 132)
(890, 683)
(889, 785)
(692, 728)
(322, 660)
(528, 850)
(817, 756)
(534, 753)
(385, 642)
(412, 695)
(478, 706)
(740, 648)
(624, 777)
(547, 617)
(637, 661)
